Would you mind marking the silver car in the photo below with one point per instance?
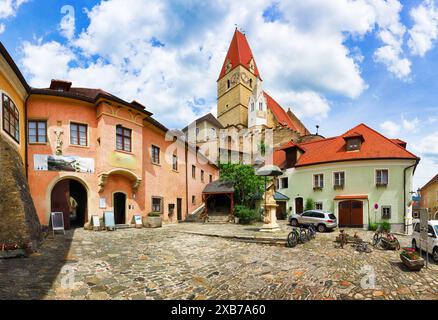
(322, 220)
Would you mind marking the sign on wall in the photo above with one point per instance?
(44, 162)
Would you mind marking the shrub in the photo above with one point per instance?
(310, 204)
(385, 225)
(245, 214)
(154, 214)
(372, 226)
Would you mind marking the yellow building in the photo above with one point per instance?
(429, 197)
(14, 91)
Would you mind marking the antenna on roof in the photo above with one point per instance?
(317, 128)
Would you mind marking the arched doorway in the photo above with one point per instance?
(70, 197)
(119, 201)
(351, 213)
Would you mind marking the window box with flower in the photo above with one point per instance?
(412, 259)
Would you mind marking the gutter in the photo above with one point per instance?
(404, 190)
(186, 150)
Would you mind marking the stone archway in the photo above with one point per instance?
(70, 196)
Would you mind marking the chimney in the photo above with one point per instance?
(60, 85)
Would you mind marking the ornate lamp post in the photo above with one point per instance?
(270, 206)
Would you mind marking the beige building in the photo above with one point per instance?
(429, 197)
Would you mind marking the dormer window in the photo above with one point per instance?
(353, 144)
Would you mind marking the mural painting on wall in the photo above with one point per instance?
(63, 163)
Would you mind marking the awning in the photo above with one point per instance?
(280, 197)
(219, 187)
(351, 197)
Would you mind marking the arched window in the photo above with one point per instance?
(252, 106)
(260, 106)
(11, 118)
(250, 83)
(228, 84)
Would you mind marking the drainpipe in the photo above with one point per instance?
(404, 190)
(26, 166)
(186, 150)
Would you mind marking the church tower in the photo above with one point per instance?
(237, 79)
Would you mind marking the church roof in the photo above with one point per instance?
(279, 113)
(239, 53)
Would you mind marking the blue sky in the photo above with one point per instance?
(335, 63)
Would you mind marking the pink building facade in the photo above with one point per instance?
(90, 152)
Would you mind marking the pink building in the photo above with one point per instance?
(90, 152)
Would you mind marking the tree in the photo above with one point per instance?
(247, 186)
(310, 204)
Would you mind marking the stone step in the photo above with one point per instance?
(218, 219)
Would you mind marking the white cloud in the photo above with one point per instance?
(390, 128)
(302, 58)
(429, 145)
(410, 125)
(425, 29)
(2, 28)
(8, 9)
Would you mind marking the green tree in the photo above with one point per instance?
(247, 186)
(310, 204)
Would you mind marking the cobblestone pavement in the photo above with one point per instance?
(166, 264)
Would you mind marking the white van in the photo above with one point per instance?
(432, 239)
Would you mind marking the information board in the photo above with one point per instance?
(57, 219)
(108, 217)
(96, 221)
(137, 220)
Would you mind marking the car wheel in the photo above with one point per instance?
(321, 228)
(435, 254)
(294, 223)
(414, 244)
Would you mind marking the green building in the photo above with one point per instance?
(361, 176)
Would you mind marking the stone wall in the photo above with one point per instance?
(19, 222)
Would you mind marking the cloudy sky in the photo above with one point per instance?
(335, 63)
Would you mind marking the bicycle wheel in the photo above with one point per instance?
(303, 236)
(292, 240)
(397, 244)
(312, 231)
(375, 239)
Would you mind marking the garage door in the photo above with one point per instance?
(351, 213)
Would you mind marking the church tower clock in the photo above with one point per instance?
(238, 77)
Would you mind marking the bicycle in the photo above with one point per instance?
(362, 247)
(385, 240)
(297, 235)
(311, 232)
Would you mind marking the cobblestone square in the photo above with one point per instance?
(169, 263)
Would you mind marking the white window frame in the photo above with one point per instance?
(375, 176)
(281, 183)
(334, 178)
(390, 212)
(321, 203)
(322, 180)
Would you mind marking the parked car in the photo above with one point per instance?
(322, 220)
(432, 240)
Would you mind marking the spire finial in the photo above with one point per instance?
(317, 128)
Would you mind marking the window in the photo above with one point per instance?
(11, 119)
(386, 212)
(210, 178)
(175, 162)
(155, 154)
(284, 183)
(353, 144)
(197, 131)
(318, 181)
(250, 83)
(260, 106)
(318, 206)
(252, 106)
(193, 172)
(202, 175)
(156, 204)
(78, 134)
(228, 84)
(213, 132)
(123, 139)
(37, 131)
(193, 200)
(382, 177)
(339, 179)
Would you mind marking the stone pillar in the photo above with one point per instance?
(270, 218)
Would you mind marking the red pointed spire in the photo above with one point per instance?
(239, 53)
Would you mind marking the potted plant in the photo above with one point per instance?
(244, 214)
(411, 259)
(153, 220)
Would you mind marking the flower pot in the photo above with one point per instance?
(236, 220)
(152, 222)
(413, 265)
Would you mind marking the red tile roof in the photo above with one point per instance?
(279, 113)
(239, 53)
(374, 146)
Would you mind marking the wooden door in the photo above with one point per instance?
(60, 200)
(299, 206)
(356, 219)
(179, 209)
(351, 213)
(119, 208)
